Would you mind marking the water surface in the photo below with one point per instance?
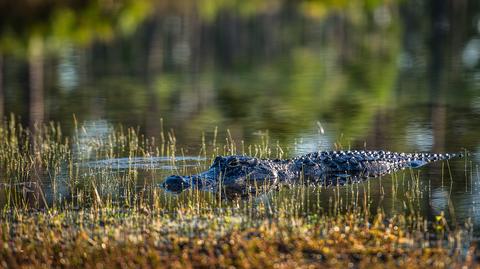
(400, 76)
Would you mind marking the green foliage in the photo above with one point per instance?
(59, 24)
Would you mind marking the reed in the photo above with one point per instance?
(94, 199)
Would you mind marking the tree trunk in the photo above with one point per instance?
(2, 95)
(36, 111)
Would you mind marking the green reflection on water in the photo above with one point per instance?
(386, 74)
(287, 81)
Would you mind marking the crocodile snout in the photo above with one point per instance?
(175, 183)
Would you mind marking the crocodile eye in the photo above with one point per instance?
(233, 162)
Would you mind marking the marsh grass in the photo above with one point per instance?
(59, 210)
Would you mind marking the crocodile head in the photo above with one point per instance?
(234, 174)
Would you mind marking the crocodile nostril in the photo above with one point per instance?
(175, 183)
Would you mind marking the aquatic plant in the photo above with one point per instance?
(93, 200)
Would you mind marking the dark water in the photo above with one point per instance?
(401, 76)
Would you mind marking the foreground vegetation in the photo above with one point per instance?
(132, 238)
(61, 208)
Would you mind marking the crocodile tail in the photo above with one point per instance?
(419, 159)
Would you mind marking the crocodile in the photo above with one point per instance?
(243, 175)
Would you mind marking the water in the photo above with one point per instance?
(402, 76)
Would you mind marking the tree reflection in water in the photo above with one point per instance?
(390, 75)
